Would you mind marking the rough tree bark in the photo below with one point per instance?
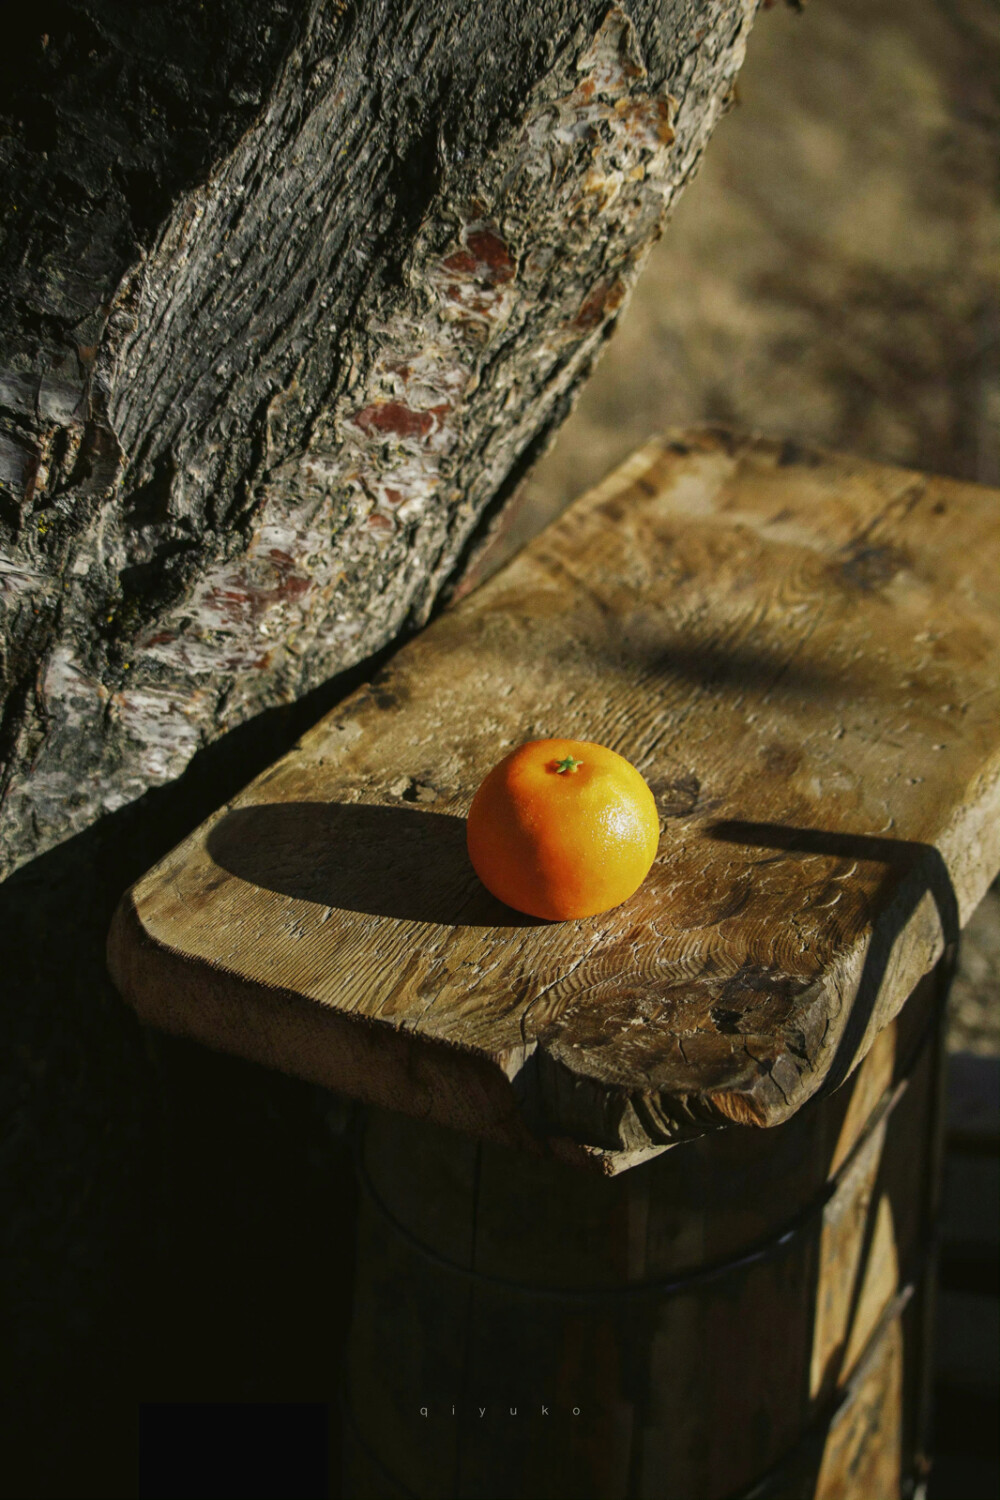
(293, 293)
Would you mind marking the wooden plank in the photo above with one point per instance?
(799, 651)
(737, 1286)
(858, 1456)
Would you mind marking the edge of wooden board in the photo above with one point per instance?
(510, 1098)
(368, 1060)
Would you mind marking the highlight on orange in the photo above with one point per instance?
(562, 829)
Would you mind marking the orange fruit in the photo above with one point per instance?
(563, 828)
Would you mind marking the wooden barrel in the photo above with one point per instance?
(744, 1315)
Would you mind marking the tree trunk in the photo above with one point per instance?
(293, 295)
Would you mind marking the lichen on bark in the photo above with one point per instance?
(309, 373)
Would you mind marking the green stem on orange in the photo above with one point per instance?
(569, 764)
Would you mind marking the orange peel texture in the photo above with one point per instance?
(562, 829)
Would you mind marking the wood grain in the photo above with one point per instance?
(744, 1285)
(799, 651)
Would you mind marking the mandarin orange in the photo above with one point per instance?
(563, 828)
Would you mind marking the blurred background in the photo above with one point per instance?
(179, 1225)
(832, 273)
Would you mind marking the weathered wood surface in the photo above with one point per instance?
(291, 295)
(798, 651)
(750, 1285)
